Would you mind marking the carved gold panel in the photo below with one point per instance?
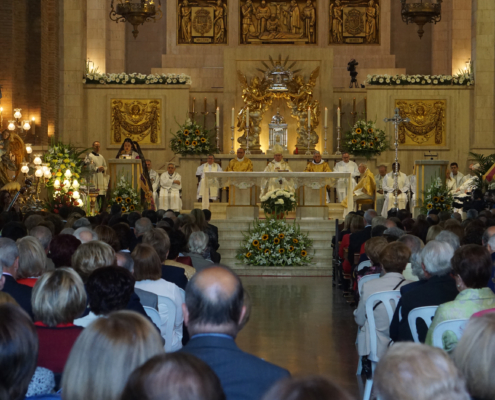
(292, 22)
(354, 21)
(427, 125)
(202, 22)
(139, 120)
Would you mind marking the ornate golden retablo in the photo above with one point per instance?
(139, 120)
(354, 22)
(427, 126)
(201, 23)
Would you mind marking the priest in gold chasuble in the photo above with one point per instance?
(277, 164)
(241, 163)
(317, 165)
(366, 187)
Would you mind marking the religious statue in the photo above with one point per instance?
(292, 17)
(372, 22)
(12, 153)
(220, 22)
(263, 13)
(247, 11)
(185, 22)
(309, 17)
(336, 22)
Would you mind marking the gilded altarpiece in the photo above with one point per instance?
(139, 120)
(354, 22)
(427, 125)
(203, 22)
(278, 22)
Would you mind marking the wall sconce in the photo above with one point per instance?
(25, 168)
(37, 160)
(29, 149)
(17, 125)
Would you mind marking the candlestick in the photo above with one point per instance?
(194, 102)
(247, 131)
(338, 117)
(193, 113)
(340, 102)
(1, 117)
(308, 150)
(326, 116)
(233, 117)
(338, 153)
(205, 104)
(232, 134)
(325, 152)
(218, 116)
(216, 105)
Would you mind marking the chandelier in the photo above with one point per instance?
(421, 13)
(136, 13)
(17, 124)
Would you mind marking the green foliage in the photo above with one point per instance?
(193, 139)
(437, 196)
(364, 139)
(62, 157)
(485, 163)
(275, 242)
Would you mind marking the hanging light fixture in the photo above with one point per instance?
(421, 13)
(136, 13)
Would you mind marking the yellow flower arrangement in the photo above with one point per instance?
(256, 243)
(72, 164)
(265, 237)
(370, 130)
(66, 161)
(442, 199)
(363, 143)
(281, 251)
(429, 206)
(248, 254)
(291, 248)
(123, 209)
(76, 175)
(119, 199)
(59, 173)
(188, 142)
(295, 241)
(304, 253)
(62, 166)
(448, 206)
(276, 240)
(203, 140)
(197, 132)
(60, 155)
(186, 132)
(281, 235)
(436, 199)
(179, 141)
(359, 131)
(371, 144)
(267, 251)
(194, 143)
(354, 141)
(128, 200)
(132, 208)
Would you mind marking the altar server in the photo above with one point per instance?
(402, 189)
(412, 186)
(345, 166)
(380, 197)
(241, 163)
(277, 164)
(98, 165)
(155, 181)
(455, 179)
(170, 186)
(213, 185)
(366, 187)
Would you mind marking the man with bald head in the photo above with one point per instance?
(213, 313)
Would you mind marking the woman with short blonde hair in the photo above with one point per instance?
(32, 260)
(108, 235)
(92, 255)
(433, 232)
(106, 353)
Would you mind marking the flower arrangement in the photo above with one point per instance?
(465, 78)
(278, 201)
(365, 139)
(192, 138)
(275, 243)
(135, 79)
(437, 196)
(125, 196)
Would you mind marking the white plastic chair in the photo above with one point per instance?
(154, 316)
(425, 313)
(167, 310)
(385, 298)
(365, 279)
(364, 264)
(455, 325)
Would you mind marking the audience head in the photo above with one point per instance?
(109, 289)
(18, 352)
(408, 223)
(357, 224)
(142, 226)
(199, 217)
(151, 215)
(436, 258)
(81, 223)
(373, 247)
(207, 214)
(347, 220)
(108, 236)
(159, 240)
(132, 218)
(214, 302)
(306, 388)
(444, 216)
(378, 230)
(177, 243)
(378, 221)
(123, 233)
(472, 214)
(474, 356)
(147, 263)
(198, 242)
(473, 234)
(85, 234)
(394, 257)
(32, 221)
(123, 259)
(394, 232)
(57, 221)
(43, 234)
(14, 230)
(32, 258)
(390, 223)
(433, 231)
(420, 229)
(106, 353)
(9, 258)
(90, 256)
(413, 371)
(487, 234)
(368, 216)
(62, 248)
(178, 376)
(472, 266)
(170, 214)
(450, 238)
(58, 297)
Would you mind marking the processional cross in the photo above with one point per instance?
(396, 120)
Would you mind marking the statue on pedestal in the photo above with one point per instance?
(278, 132)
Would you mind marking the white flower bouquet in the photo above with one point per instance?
(95, 77)
(463, 78)
(278, 202)
(125, 196)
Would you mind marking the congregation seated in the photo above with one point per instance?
(305, 388)
(108, 235)
(32, 261)
(91, 256)
(413, 271)
(203, 226)
(198, 247)
(176, 244)
(356, 225)
(62, 248)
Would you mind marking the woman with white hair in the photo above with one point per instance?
(198, 245)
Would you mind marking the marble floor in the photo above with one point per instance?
(303, 325)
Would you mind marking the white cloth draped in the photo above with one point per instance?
(170, 192)
(342, 184)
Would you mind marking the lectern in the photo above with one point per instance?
(130, 169)
(426, 172)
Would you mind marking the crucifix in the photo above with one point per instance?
(396, 120)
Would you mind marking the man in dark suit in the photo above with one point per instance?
(213, 313)
(439, 288)
(357, 239)
(207, 214)
(9, 263)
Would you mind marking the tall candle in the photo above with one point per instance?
(340, 102)
(205, 104)
(338, 117)
(309, 118)
(216, 105)
(247, 117)
(233, 118)
(326, 117)
(218, 116)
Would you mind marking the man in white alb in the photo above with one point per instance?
(98, 165)
(170, 186)
(380, 197)
(213, 185)
(455, 179)
(402, 189)
(345, 166)
(277, 164)
(412, 188)
(155, 181)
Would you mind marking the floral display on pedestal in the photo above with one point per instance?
(364, 139)
(278, 203)
(437, 197)
(274, 242)
(192, 139)
(125, 196)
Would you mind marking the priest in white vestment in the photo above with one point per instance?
(455, 179)
(412, 188)
(403, 187)
(170, 186)
(155, 181)
(380, 197)
(277, 164)
(213, 185)
(345, 166)
(98, 165)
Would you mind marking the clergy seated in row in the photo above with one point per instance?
(318, 165)
(155, 181)
(402, 189)
(241, 163)
(277, 165)
(345, 166)
(170, 186)
(366, 187)
(380, 197)
(213, 185)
